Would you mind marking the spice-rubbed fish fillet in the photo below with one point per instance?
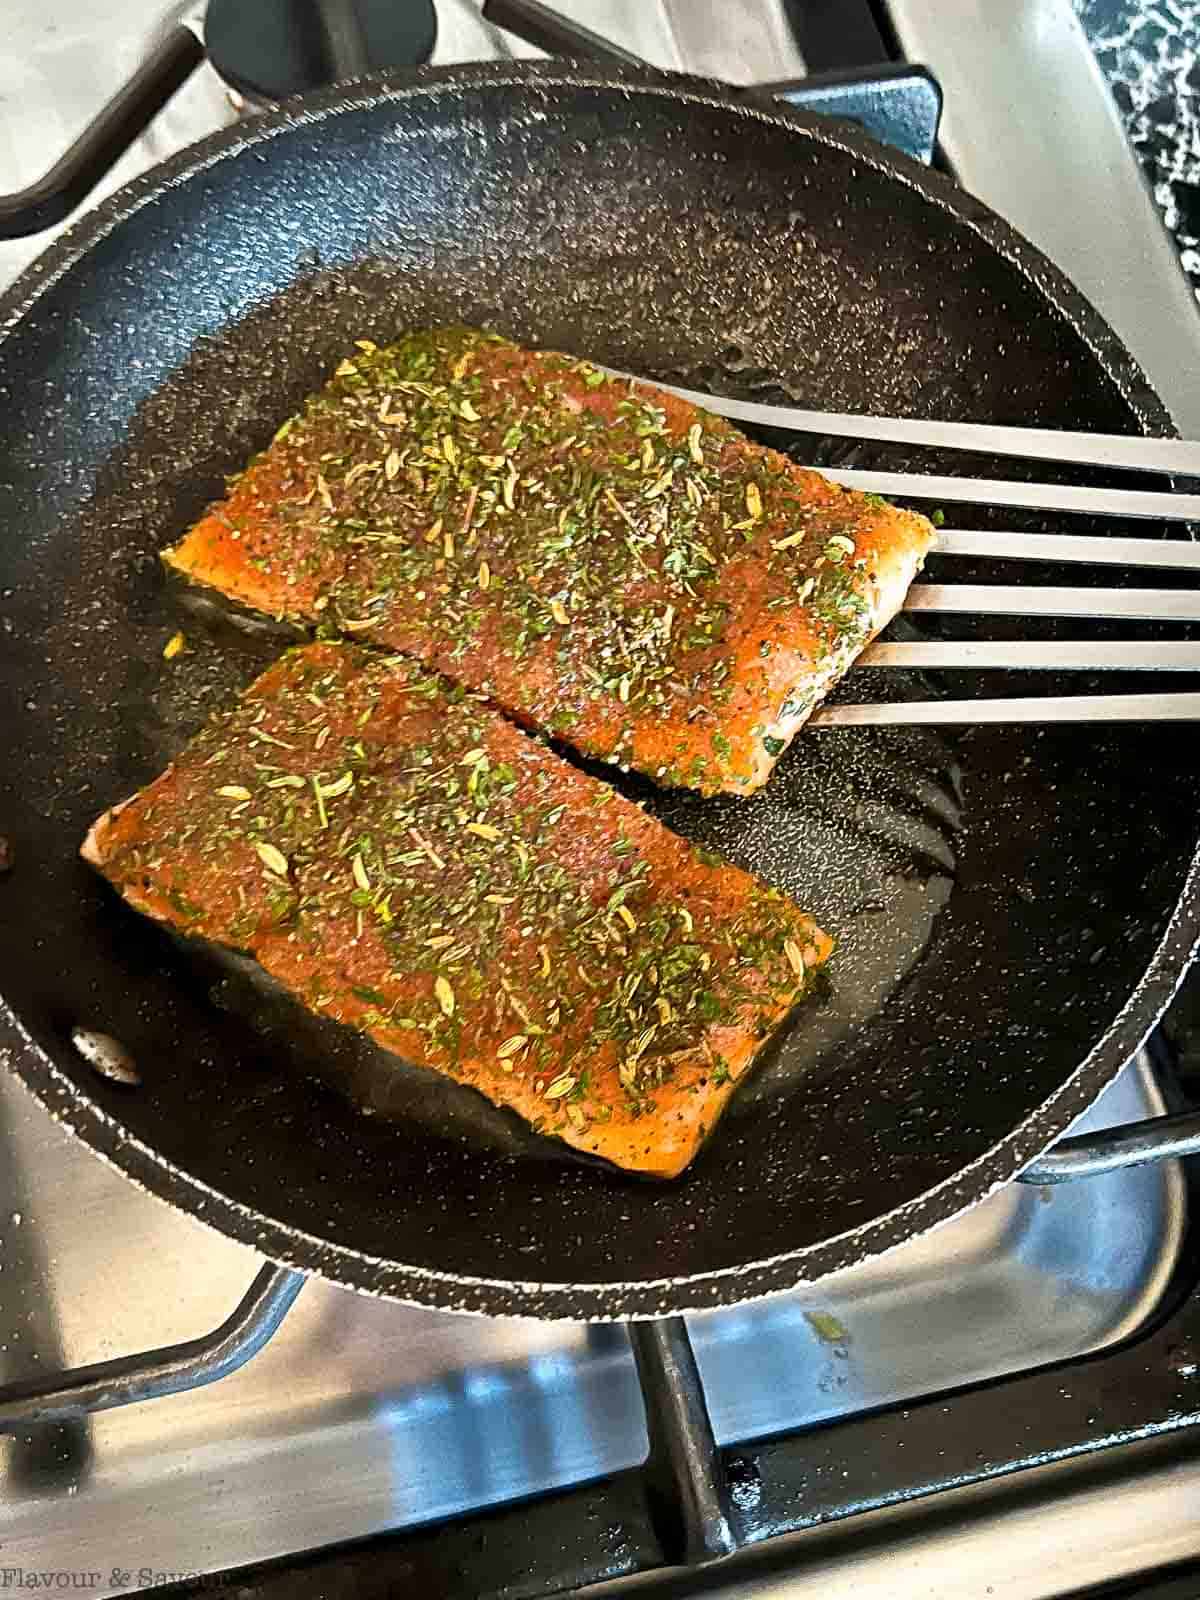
(409, 862)
(604, 560)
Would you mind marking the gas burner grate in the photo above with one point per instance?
(692, 1503)
(295, 45)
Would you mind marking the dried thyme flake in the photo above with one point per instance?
(484, 830)
(322, 814)
(340, 786)
(273, 859)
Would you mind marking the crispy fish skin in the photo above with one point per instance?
(408, 862)
(607, 562)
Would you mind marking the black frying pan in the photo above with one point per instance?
(1015, 905)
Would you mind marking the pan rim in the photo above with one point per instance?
(643, 1298)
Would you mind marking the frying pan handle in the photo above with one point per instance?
(1089, 1154)
(72, 177)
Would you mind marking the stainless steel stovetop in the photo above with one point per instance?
(362, 1416)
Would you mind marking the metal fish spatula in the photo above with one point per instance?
(1178, 457)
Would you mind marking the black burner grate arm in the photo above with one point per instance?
(131, 110)
(190, 1365)
(563, 1543)
(685, 1479)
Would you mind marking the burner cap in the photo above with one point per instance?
(270, 49)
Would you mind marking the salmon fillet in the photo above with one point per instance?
(408, 862)
(604, 560)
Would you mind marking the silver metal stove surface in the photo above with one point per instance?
(61, 60)
(1030, 126)
(364, 1416)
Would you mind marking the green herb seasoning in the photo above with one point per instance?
(414, 865)
(614, 569)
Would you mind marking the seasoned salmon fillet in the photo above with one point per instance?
(407, 861)
(604, 560)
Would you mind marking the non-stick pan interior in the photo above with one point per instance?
(998, 894)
